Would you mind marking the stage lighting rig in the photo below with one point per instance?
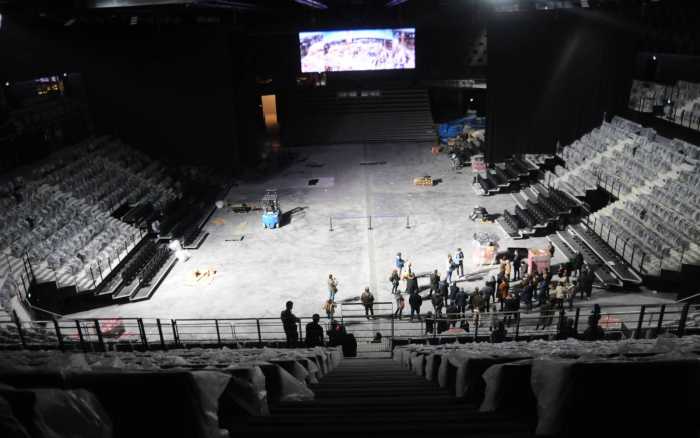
(312, 4)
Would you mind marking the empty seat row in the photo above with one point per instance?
(139, 260)
(154, 264)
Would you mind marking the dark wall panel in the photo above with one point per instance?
(551, 76)
(168, 91)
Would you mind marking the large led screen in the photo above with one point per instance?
(352, 50)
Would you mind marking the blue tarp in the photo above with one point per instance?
(453, 128)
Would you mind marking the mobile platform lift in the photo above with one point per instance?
(271, 209)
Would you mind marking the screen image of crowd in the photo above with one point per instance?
(387, 49)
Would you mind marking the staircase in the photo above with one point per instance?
(377, 397)
(320, 117)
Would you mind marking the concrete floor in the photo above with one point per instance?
(257, 275)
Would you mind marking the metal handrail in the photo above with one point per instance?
(682, 300)
(96, 334)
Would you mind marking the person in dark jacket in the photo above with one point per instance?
(336, 334)
(443, 289)
(452, 314)
(453, 292)
(434, 282)
(314, 332)
(289, 323)
(516, 265)
(586, 278)
(415, 301)
(486, 293)
(512, 305)
(577, 263)
(476, 301)
(499, 335)
(527, 294)
(542, 292)
(594, 332)
(429, 323)
(442, 324)
(461, 300)
(411, 283)
(438, 302)
(567, 330)
(367, 300)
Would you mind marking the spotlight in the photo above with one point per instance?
(69, 22)
(7, 84)
(653, 58)
(669, 101)
(65, 75)
(471, 99)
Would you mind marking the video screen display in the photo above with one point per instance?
(357, 50)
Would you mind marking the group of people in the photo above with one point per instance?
(314, 336)
(329, 306)
(440, 291)
(516, 284)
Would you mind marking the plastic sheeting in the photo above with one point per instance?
(453, 128)
(211, 384)
(70, 414)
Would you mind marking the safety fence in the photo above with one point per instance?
(393, 221)
(373, 333)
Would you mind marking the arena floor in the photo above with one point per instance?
(257, 275)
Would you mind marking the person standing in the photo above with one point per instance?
(399, 263)
(314, 332)
(437, 303)
(502, 293)
(452, 314)
(527, 293)
(332, 287)
(329, 308)
(434, 282)
(577, 263)
(476, 301)
(411, 283)
(450, 268)
(461, 300)
(429, 323)
(443, 289)
(516, 265)
(506, 269)
(459, 259)
(487, 292)
(394, 279)
(550, 249)
(523, 269)
(453, 292)
(415, 301)
(367, 300)
(542, 292)
(400, 304)
(289, 323)
(336, 334)
(499, 335)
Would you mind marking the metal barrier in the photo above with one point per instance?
(336, 222)
(149, 333)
